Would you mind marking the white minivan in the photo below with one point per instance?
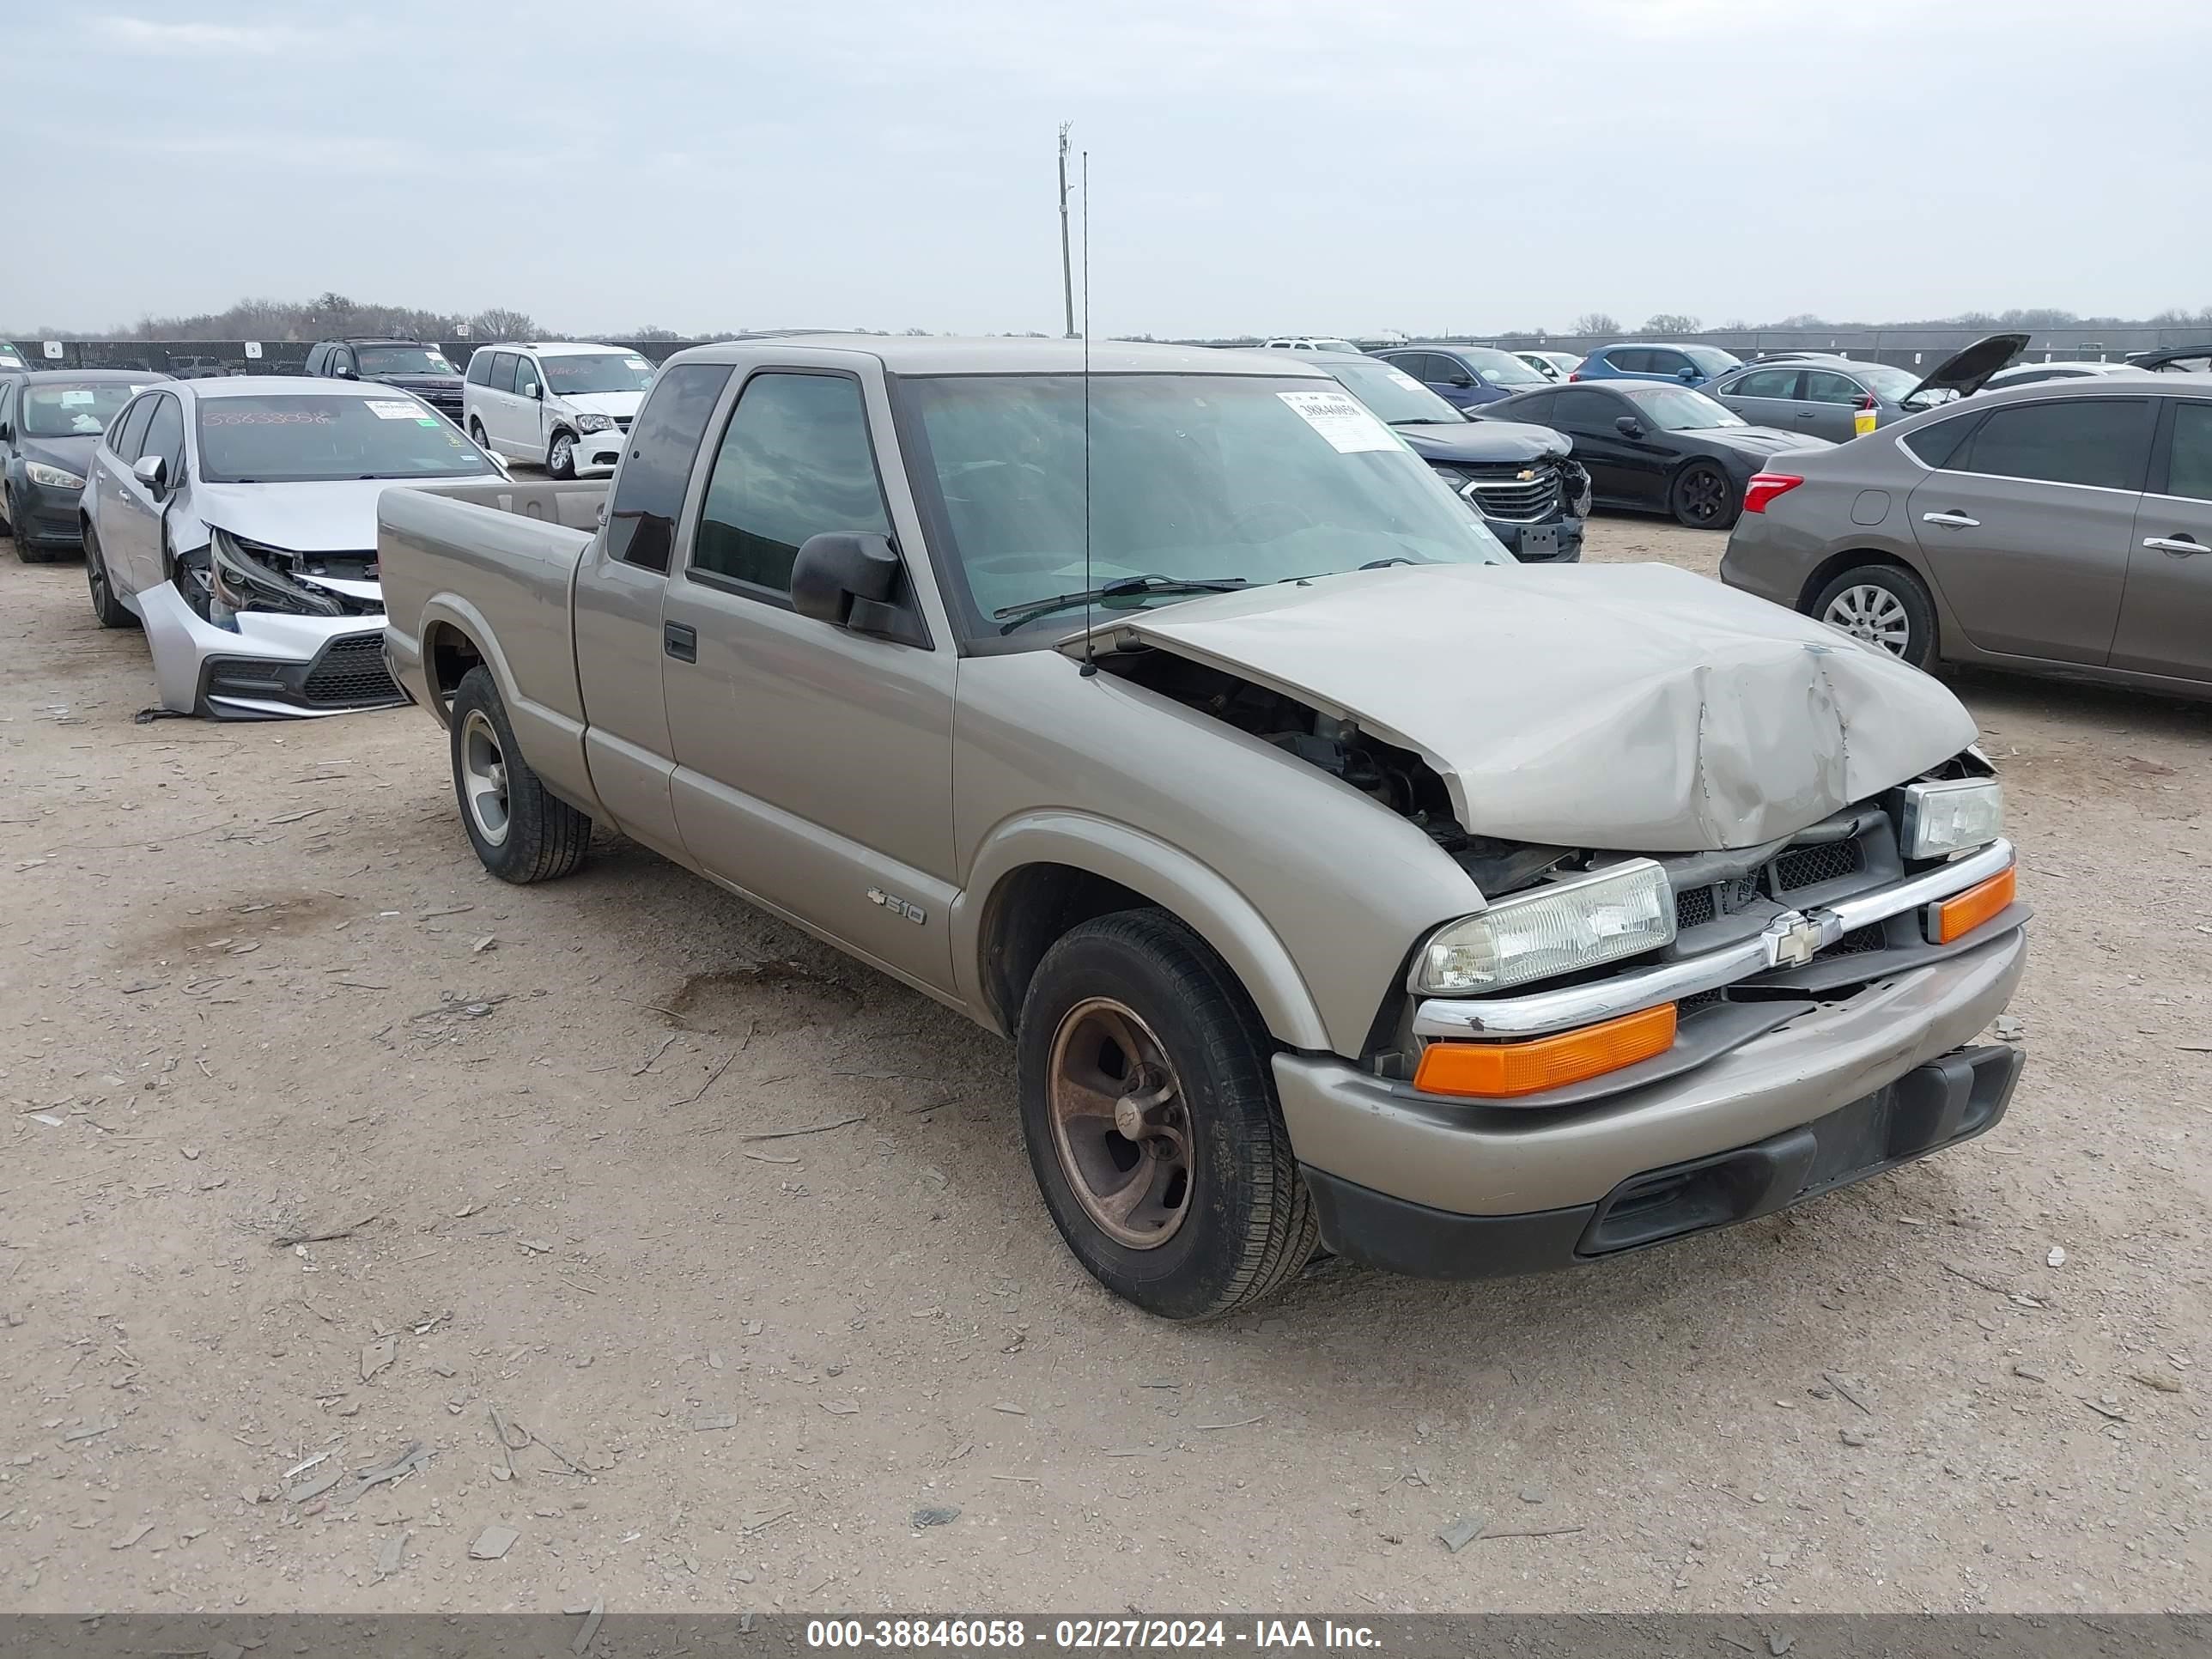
(561, 404)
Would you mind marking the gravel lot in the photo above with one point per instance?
(254, 987)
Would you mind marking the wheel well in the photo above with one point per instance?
(1834, 566)
(448, 654)
(1027, 914)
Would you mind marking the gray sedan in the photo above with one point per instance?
(1824, 396)
(2064, 527)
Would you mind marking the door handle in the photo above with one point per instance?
(680, 641)
(1952, 520)
(2176, 544)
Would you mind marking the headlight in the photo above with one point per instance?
(242, 577)
(1622, 910)
(593, 422)
(1954, 816)
(52, 477)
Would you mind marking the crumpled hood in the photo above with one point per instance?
(1479, 441)
(604, 403)
(337, 516)
(1633, 707)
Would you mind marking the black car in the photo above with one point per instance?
(1518, 478)
(408, 364)
(1654, 447)
(50, 424)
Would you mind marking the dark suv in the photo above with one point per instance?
(408, 364)
(1517, 477)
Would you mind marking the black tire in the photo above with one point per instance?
(1868, 601)
(529, 835)
(27, 554)
(1247, 1222)
(1703, 497)
(477, 435)
(111, 611)
(560, 455)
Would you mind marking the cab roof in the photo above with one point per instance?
(934, 355)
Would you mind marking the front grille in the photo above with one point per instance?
(1858, 940)
(1502, 494)
(1809, 866)
(351, 671)
(621, 423)
(1698, 905)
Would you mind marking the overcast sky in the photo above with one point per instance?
(1262, 166)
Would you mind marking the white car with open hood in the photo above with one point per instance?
(235, 520)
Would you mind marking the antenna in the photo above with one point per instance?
(1090, 640)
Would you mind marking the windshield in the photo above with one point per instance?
(1889, 383)
(74, 411)
(1192, 477)
(1498, 368)
(571, 373)
(403, 359)
(1712, 360)
(1392, 393)
(1678, 409)
(289, 439)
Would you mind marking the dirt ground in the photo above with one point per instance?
(253, 988)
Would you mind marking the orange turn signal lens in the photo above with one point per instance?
(1499, 1071)
(1955, 918)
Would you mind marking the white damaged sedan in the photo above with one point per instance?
(235, 520)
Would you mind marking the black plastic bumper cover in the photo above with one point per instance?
(1931, 1107)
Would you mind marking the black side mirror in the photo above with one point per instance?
(849, 580)
(1629, 427)
(1461, 382)
(7, 433)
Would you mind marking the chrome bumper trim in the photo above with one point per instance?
(1449, 1018)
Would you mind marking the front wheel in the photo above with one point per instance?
(560, 458)
(1883, 605)
(476, 436)
(11, 523)
(1703, 497)
(111, 611)
(521, 833)
(1148, 1107)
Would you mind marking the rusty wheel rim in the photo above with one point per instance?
(1120, 1124)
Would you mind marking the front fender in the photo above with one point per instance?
(1173, 880)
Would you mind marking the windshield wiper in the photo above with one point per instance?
(1126, 587)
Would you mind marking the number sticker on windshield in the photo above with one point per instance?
(395, 411)
(1346, 425)
(1400, 378)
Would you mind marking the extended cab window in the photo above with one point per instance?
(2100, 441)
(663, 443)
(794, 462)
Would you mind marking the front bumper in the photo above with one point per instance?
(598, 451)
(1471, 1159)
(1939, 1104)
(1560, 542)
(46, 518)
(274, 667)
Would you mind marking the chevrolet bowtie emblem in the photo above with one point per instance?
(1792, 940)
(1528, 475)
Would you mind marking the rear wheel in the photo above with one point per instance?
(111, 611)
(1884, 604)
(1148, 1106)
(1703, 497)
(521, 833)
(560, 458)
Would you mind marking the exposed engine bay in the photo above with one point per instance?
(1394, 777)
(232, 574)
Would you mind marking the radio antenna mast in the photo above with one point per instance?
(1090, 640)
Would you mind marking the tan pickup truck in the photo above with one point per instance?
(1343, 883)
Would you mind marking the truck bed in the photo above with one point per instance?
(502, 554)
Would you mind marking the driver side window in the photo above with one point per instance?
(794, 462)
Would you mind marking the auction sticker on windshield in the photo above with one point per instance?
(1346, 425)
(395, 411)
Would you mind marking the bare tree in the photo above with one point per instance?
(1595, 322)
(499, 322)
(1669, 322)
